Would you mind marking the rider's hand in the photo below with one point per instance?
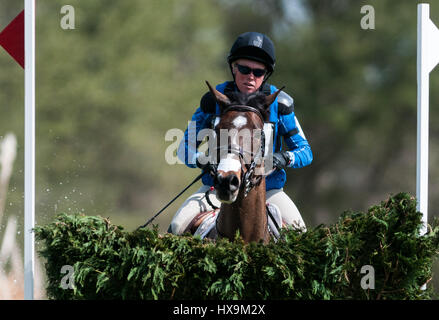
(281, 160)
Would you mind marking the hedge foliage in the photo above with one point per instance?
(323, 263)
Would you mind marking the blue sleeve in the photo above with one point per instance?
(299, 149)
(187, 151)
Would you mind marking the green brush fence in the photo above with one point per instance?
(323, 263)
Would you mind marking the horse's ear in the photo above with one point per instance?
(270, 99)
(222, 99)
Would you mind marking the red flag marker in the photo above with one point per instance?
(12, 39)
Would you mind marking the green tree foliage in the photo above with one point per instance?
(323, 263)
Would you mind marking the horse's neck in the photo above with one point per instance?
(246, 214)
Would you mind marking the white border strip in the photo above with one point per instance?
(29, 149)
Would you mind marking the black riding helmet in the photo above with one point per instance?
(253, 46)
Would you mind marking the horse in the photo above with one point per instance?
(239, 177)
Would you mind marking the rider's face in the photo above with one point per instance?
(247, 83)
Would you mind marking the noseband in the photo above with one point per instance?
(248, 179)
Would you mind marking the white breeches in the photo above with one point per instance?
(197, 203)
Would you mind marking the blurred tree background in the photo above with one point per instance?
(109, 90)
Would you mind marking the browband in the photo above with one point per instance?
(238, 107)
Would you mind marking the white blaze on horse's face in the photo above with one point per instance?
(239, 122)
(229, 163)
(227, 177)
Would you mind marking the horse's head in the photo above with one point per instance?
(240, 141)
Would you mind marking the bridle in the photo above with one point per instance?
(249, 181)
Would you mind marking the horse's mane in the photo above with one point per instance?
(255, 100)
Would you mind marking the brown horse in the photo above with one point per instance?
(239, 178)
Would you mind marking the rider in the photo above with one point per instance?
(251, 61)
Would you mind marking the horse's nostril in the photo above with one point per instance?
(233, 183)
(230, 182)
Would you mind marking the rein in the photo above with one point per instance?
(158, 213)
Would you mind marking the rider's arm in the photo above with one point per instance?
(299, 150)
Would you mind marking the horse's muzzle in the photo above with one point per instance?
(227, 187)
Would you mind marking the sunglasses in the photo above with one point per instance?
(247, 70)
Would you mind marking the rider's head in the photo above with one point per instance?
(255, 51)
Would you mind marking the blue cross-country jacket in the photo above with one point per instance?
(282, 117)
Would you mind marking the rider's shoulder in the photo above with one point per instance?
(285, 103)
(208, 103)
